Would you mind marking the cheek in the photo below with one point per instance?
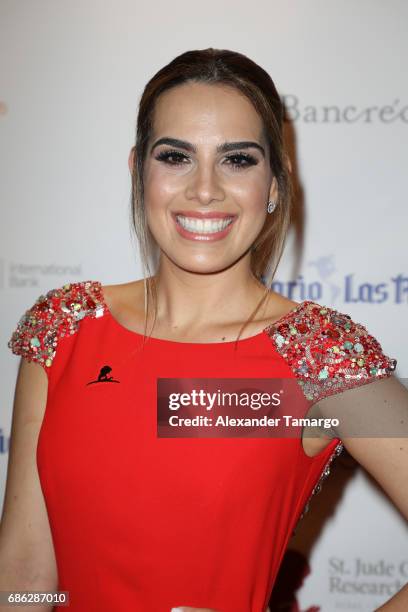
(253, 204)
(158, 193)
(252, 200)
(250, 191)
(158, 201)
(160, 184)
(158, 196)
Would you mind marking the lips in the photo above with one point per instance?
(209, 226)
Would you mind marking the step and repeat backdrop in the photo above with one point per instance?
(72, 75)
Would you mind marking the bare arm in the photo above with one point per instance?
(397, 603)
(377, 409)
(27, 559)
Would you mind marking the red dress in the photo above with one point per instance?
(145, 523)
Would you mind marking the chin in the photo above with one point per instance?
(197, 267)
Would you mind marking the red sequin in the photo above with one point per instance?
(55, 315)
(328, 351)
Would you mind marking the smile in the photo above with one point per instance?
(203, 229)
(206, 226)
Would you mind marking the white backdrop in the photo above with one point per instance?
(71, 77)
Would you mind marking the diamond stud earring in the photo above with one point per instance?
(271, 206)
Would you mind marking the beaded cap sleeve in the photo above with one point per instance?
(327, 351)
(53, 316)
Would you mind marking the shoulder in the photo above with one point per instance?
(52, 316)
(124, 295)
(327, 350)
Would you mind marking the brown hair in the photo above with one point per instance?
(218, 66)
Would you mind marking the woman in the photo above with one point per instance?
(137, 517)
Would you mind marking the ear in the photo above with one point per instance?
(131, 159)
(273, 192)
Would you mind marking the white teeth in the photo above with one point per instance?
(203, 226)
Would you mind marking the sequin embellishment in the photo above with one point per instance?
(328, 352)
(53, 316)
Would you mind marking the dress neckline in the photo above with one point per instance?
(165, 341)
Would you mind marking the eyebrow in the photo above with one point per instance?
(222, 148)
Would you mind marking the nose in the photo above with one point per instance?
(205, 186)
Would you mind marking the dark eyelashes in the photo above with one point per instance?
(165, 156)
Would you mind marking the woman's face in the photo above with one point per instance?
(206, 192)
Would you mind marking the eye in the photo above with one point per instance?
(238, 160)
(167, 156)
(241, 160)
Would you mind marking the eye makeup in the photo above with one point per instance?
(237, 161)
